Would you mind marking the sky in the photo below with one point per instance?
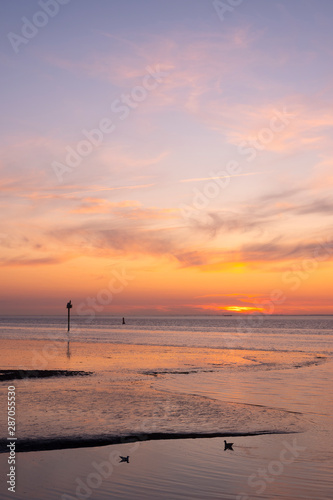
(170, 157)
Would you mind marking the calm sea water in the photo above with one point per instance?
(175, 375)
(291, 333)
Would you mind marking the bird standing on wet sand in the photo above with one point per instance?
(228, 446)
(124, 459)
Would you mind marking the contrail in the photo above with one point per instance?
(218, 177)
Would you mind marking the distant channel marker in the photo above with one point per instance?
(69, 307)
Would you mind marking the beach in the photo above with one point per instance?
(166, 250)
(170, 408)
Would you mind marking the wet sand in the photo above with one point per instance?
(237, 393)
(64, 355)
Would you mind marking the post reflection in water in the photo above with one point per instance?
(68, 353)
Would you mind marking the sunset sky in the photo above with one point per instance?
(166, 157)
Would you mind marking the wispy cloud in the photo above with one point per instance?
(198, 179)
(23, 260)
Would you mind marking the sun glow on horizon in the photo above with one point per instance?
(214, 197)
(243, 309)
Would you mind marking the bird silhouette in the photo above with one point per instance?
(124, 459)
(228, 446)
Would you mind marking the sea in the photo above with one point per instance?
(166, 391)
(293, 333)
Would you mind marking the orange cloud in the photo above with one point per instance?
(102, 206)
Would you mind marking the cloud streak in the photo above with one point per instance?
(199, 179)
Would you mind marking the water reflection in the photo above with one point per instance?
(68, 350)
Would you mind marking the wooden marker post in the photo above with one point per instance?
(69, 307)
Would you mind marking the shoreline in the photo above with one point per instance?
(51, 444)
